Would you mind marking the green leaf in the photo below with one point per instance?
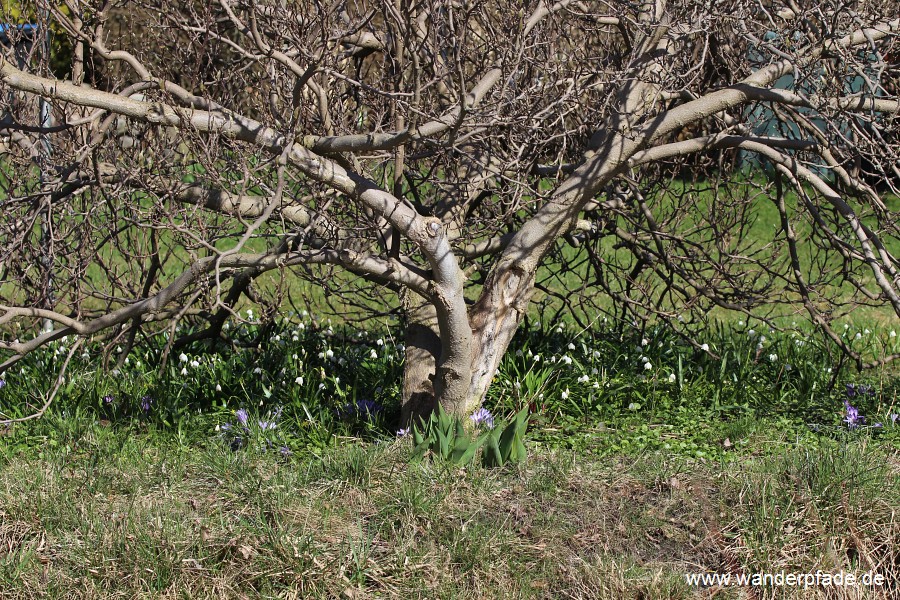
(491, 456)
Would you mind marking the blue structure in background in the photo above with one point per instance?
(764, 122)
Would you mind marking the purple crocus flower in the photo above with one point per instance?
(242, 416)
(852, 418)
(263, 425)
(285, 451)
(403, 432)
(483, 416)
(109, 399)
(146, 403)
(894, 418)
(2, 383)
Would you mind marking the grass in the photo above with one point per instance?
(115, 514)
(635, 477)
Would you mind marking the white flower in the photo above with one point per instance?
(295, 338)
(634, 406)
(127, 360)
(559, 330)
(672, 378)
(567, 359)
(773, 357)
(249, 313)
(537, 358)
(858, 335)
(301, 326)
(565, 394)
(299, 380)
(596, 385)
(373, 355)
(645, 360)
(183, 357)
(751, 333)
(762, 339)
(571, 346)
(788, 367)
(218, 388)
(645, 342)
(184, 370)
(741, 323)
(321, 386)
(257, 370)
(893, 334)
(705, 347)
(846, 326)
(553, 359)
(329, 354)
(379, 342)
(584, 379)
(647, 366)
(596, 354)
(195, 363)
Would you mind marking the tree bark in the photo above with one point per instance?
(423, 347)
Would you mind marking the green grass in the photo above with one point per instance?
(635, 476)
(123, 514)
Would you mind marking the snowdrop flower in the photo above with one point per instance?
(537, 358)
(379, 342)
(257, 371)
(183, 357)
(337, 381)
(866, 331)
(596, 354)
(672, 378)
(645, 342)
(634, 406)
(584, 379)
(299, 380)
(553, 359)
(858, 335)
(218, 388)
(373, 355)
(773, 357)
(301, 326)
(893, 334)
(741, 323)
(329, 354)
(705, 347)
(567, 359)
(645, 360)
(321, 386)
(565, 394)
(195, 363)
(184, 370)
(571, 346)
(647, 366)
(751, 333)
(596, 385)
(788, 367)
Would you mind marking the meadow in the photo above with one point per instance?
(278, 471)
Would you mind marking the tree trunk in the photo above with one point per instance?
(423, 347)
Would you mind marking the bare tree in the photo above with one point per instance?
(446, 150)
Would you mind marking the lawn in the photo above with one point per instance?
(277, 473)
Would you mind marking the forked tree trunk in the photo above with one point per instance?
(494, 320)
